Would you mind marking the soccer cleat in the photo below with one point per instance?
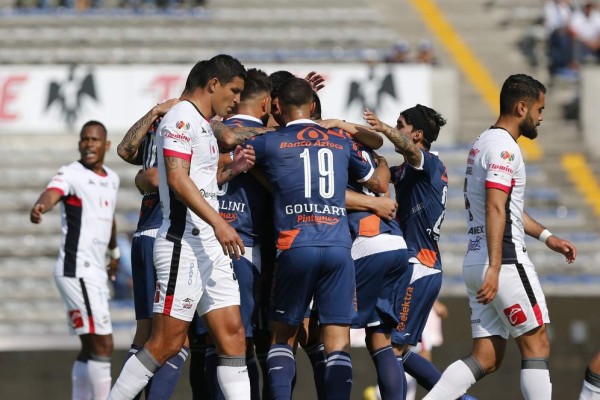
(467, 397)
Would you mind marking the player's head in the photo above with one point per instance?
(421, 124)
(255, 99)
(523, 97)
(295, 99)
(316, 113)
(222, 77)
(277, 78)
(93, 144)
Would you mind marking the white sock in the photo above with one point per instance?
(411, 387)
(535, 379)
(81, 381)
(232, 373)
(100, 380)
(589, 392)
(134, 376)
(455, 381)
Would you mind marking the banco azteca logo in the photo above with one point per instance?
(312, 134)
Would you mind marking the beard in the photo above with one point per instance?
(528, 128)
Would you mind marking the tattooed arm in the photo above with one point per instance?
(130, 144)
(366, 136)
(228, 137)
(401, 142)
(380, 180)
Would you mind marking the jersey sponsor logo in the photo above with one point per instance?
(405, 309)
(209, 195)
(306, 213)
(157, 293)
(308, 143)
(191, 274)
(232, 206)
(187, 303)
(311, 134)
(76, 319)
(176, 136)
(515, 314)
(476, 230)
(474, 245)
(507, 155)
(473, 152)
(229, 217)
(501, 168)
(182, 125)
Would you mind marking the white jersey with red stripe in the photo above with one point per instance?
(185, 133)
(495, 161)
(87, 206)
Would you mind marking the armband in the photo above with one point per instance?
(544, 235)
(114, 253)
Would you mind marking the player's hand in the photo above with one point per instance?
(162, 108)
(230, 241)
(384, 207)
(35, 215)
(243, 159)
(112, 267)
(331, 123)
(563, 247)
(490, 285)
(373, 120)
(316, 80)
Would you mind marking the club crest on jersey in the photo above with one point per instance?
(187, 303)
(515, 314)
(507, 155)
(182, 125)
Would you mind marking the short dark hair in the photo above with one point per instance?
(425, 119)
(257, 82)
(94, 123)
(277, 78)
(295, 92)
(519, 87)
(223, 67)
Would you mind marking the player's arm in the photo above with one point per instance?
(185, 189)
(360, 133)
(402, 143)
(379, 181)
(44, 203)
(146, 181)
(495, 221)
(129, 147)
(383, 207)
(535, 230)
(113, 252)
(316, 80)
(243, 160)
(229, 137)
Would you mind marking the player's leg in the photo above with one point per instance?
(390, 376)
(197, 336)
(591, 384)
(314, 348)
(535, 376)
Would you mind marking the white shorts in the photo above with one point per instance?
(519, 305)
(192, 279)
(87, 305)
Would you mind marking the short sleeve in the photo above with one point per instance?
(361, 163)
(500, 165)
(60, 182)
(177, 139)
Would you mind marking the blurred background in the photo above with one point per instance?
(63, 62)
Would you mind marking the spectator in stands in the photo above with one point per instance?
(585, 28)
(426, 53)
(557, 17)
(400, 53)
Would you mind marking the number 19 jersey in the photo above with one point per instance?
(308, 167)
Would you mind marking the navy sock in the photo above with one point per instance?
(197, 377)
(210, 365)
(254, 377)
(264, 369)
(338, 375)
(390, 374)
(316, 355)
(132, 350)
(426, 374)
(166, 378)
(282, 368)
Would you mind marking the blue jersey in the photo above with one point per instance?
(308, 167)
(244, 202)
(150, 212)
(421, 196)
(366, 223)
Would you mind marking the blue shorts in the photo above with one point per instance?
(376, 276)
(248, 278)
(327, 273)
(413, 299)
(143, 275)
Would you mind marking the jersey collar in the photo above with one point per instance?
(302, 121)
(246, 117)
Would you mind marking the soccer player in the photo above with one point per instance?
(193, 242)
(591, 384)
(246, 205)
(308, 168)
(504, 291)
(138, 147)
(87, 190)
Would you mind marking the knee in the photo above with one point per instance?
(102, 345)
(163, 349)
